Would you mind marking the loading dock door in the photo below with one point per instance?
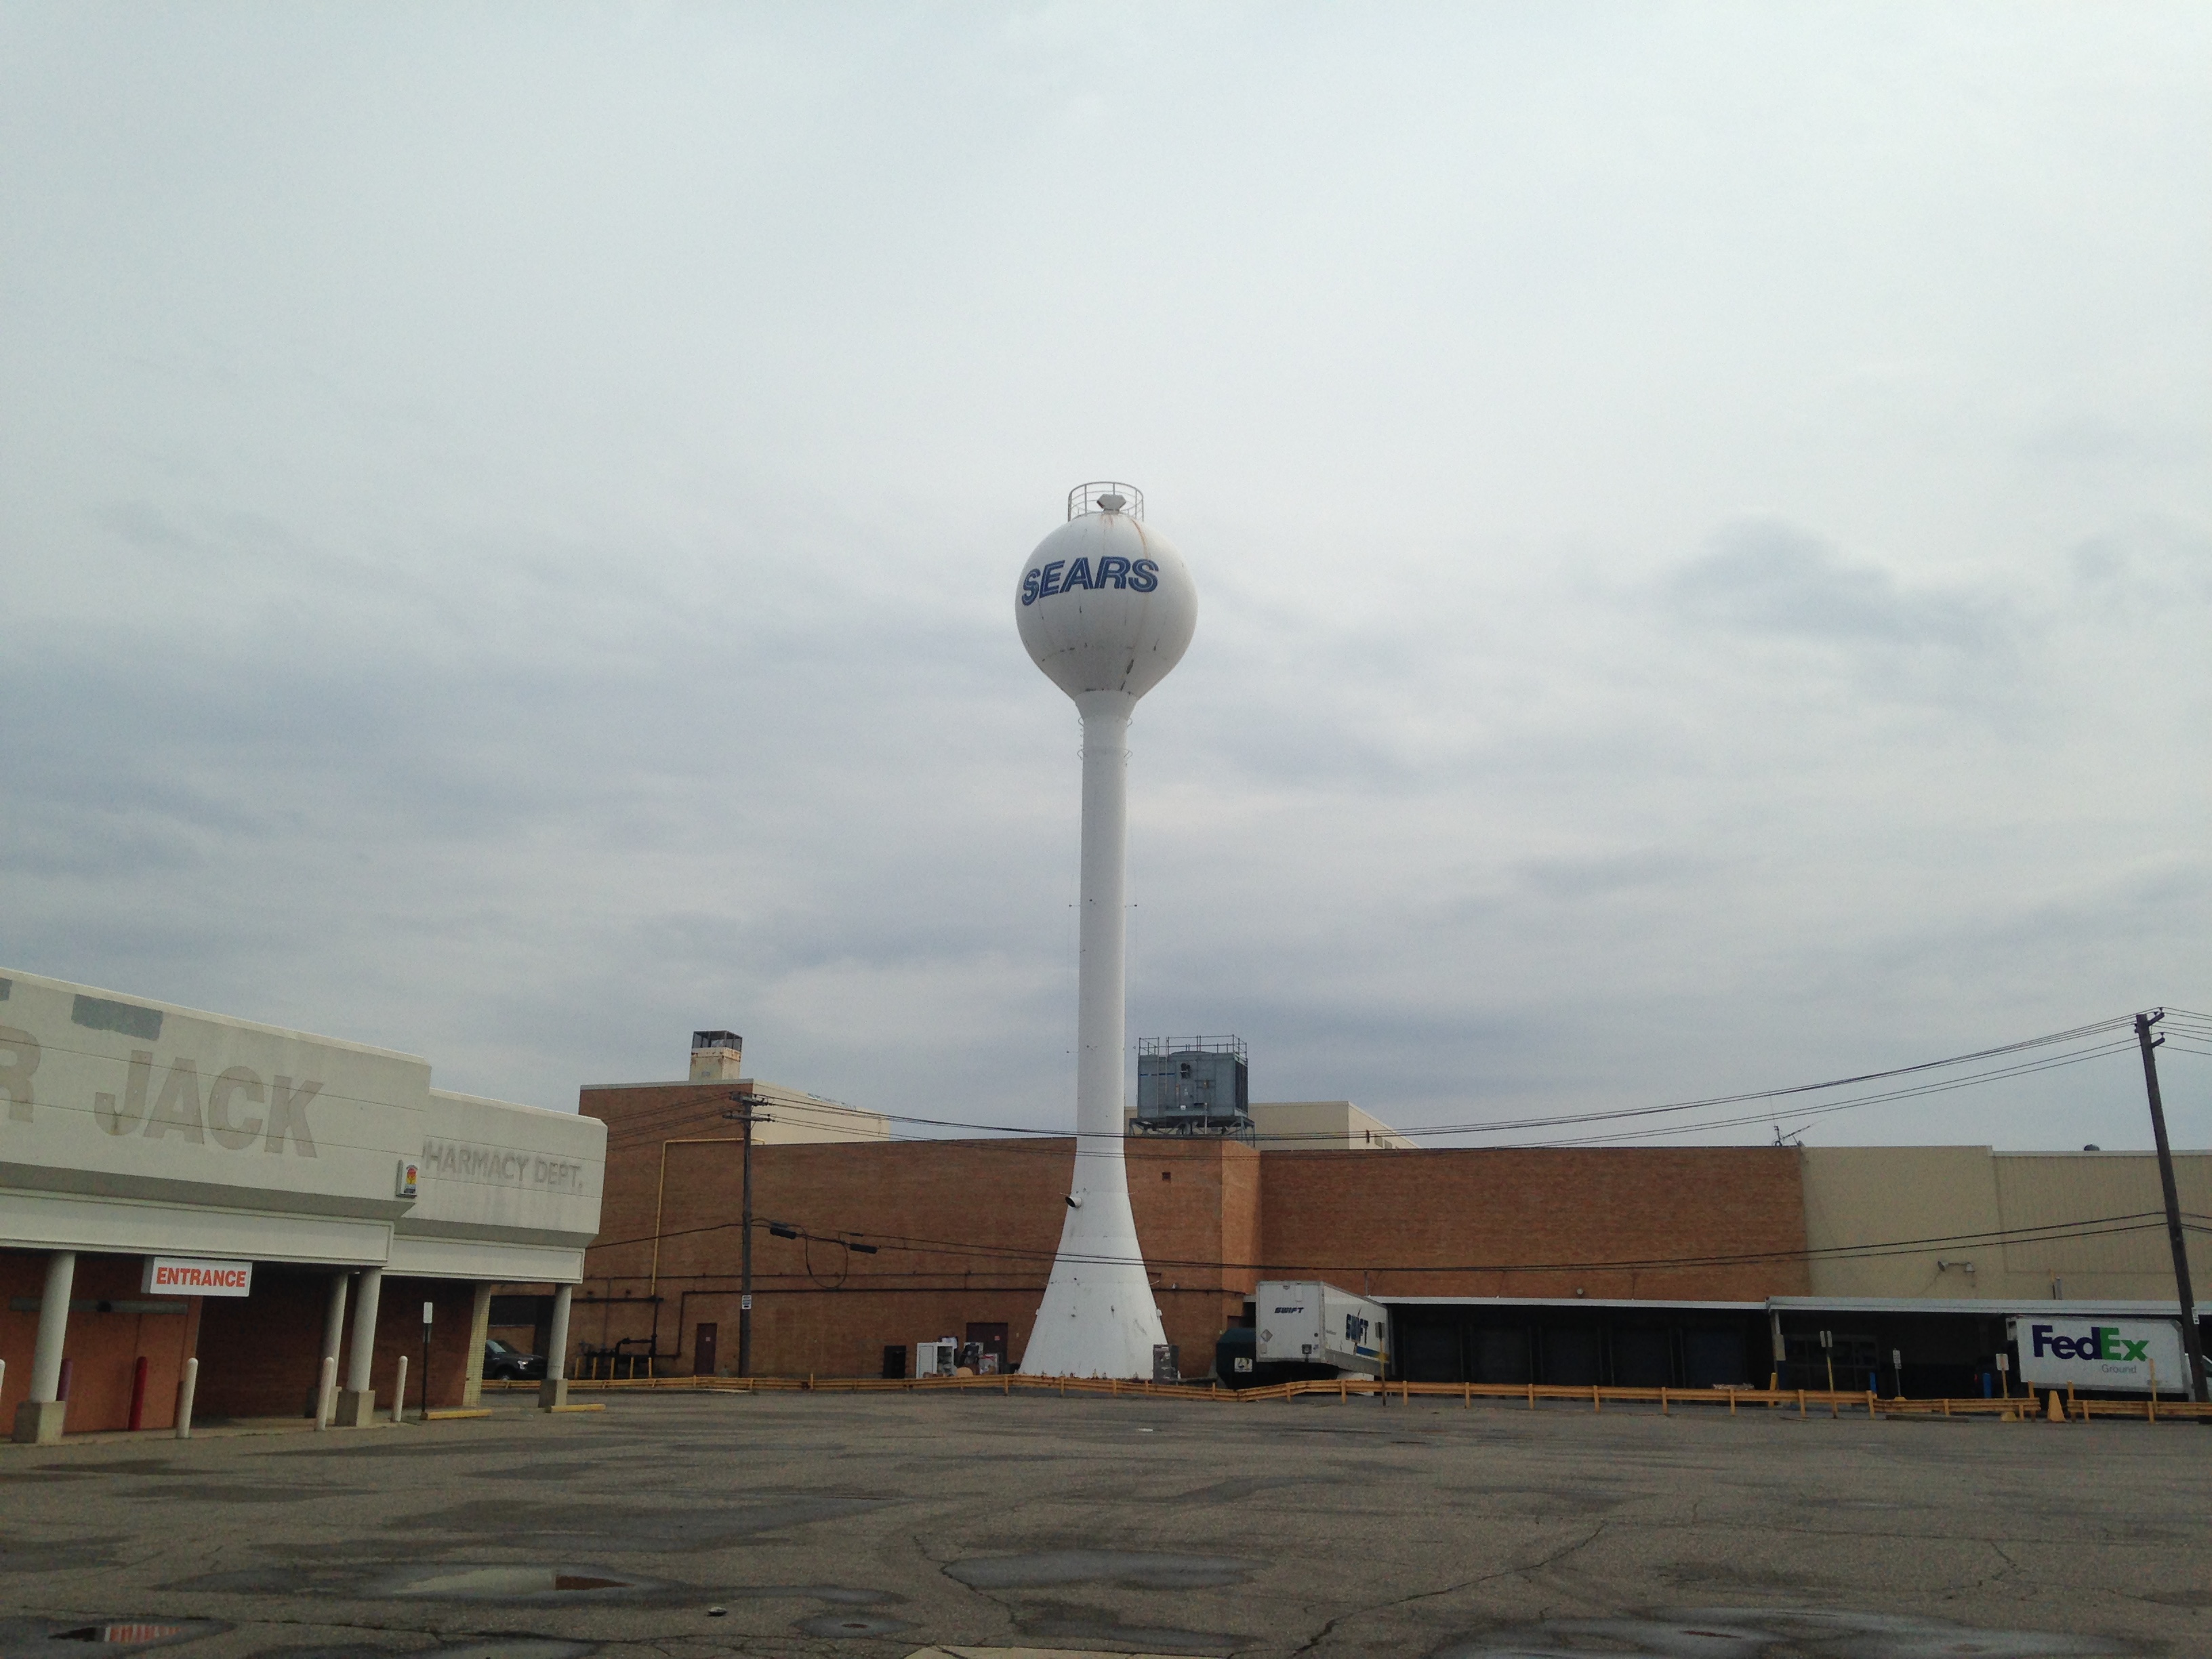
(1712, 1356)
(1642, 1358)
(1573, 1356)
(1500, 1356)
(703, 1352)
(1428, 1353)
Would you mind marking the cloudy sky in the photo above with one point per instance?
(1703, 518)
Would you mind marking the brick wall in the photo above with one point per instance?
(965, 1233)
(102, 1349)
(262, 1355)
(1197, 1208)
(1471, 1221)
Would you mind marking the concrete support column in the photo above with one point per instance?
(357, 1402)
(479, 1332)
(333, 1336)
(38, 1420)
(553, 1392)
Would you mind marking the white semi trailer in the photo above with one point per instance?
(1303, 1322)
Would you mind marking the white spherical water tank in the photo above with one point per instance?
(1105, 604)
(1106, 608)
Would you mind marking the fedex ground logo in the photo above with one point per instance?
(2103, 1342)
(2130, 1355)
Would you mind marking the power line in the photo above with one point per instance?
(2048, 1232)
(1807, 1113)
(1155, 1148)
(631, 1130)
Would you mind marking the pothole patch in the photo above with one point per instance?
(852, 1625)
(1145, 1637)
(1136, 1569)
(517, 1583)
(1753, 1632)
(838, 1595)
(53, 1556)
(587, 1527)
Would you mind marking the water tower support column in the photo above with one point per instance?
(1102, 971)
(1098, 1318)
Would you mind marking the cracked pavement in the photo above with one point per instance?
(877, 1525)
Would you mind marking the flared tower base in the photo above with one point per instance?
(1098, 1318)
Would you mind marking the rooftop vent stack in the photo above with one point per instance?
(717, 1056)
(1105, 609)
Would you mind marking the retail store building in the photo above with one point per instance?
(177, 1185)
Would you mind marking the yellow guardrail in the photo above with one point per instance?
(1803, 1401)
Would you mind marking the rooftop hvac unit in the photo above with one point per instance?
(1193, 1086)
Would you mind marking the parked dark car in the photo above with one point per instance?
(502, 1361)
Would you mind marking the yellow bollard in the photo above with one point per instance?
(1595, 1406)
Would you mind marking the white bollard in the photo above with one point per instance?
(399, 1393)
(184, 1390)
(324, 1391)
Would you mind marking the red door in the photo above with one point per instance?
(703, 1352)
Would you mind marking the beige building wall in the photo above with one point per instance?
(787, 1117)
(1333, 1126)
(1885, 1195)
(797, 1118)
(1313, 1125)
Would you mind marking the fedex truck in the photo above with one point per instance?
(1303, 1322)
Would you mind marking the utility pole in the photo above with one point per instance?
(750, 1115)
(2192, 1343)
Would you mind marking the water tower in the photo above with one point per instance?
(1106, 609)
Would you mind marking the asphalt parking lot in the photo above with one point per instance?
(883, 1525)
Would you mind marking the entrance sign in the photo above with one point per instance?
(2129, 1355)
(188, 1276)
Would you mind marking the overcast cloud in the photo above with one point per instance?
(1703, 518)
